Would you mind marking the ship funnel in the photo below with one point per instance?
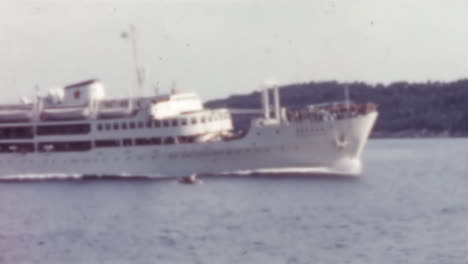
(271, 85)
(277, 103)
(265, 104)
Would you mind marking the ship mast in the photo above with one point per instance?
(138, 70)
(276, 107)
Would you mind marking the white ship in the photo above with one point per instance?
(77, 131)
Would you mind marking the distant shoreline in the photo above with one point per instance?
(406, 110)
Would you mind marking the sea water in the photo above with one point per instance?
(410, 205)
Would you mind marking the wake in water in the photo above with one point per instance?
(79, 177)
(344, 168)
(351, 167)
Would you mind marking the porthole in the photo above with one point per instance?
(169, 141)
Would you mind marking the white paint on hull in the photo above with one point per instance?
(335, 146)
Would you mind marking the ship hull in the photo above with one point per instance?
(334, 146)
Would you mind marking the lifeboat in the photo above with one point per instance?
(7, 116)
(114, 113)
(74, 113)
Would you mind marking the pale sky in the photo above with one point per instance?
(223, 47)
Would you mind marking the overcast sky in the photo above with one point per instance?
(223, 47)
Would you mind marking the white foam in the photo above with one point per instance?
(39, 176)
(291, 170)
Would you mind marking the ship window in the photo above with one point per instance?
(193, 120)
(127, 142)
(116, 126)
(175, 122)
(17, 147)
(169, 141)
(210, 119)
(142, 141)
(108, 126)
(132, 125)
(16, 132)
(65, 146)
(156, 141)
(186, 139)
(165, 123)
(99, 127)
(157, 123)
(107, 143)
(190, 139)
(149, 124)
(124, 125)
(63, 129)
(183, 122)
(203, 120)
(140, 124)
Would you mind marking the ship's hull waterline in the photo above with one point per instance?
(334, 145)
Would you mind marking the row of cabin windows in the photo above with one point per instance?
(144, 141)
(27, 132)
(63, 129)
(46, 147)
(87, 145)
(23, 132)
(138, 142)
(158, 123)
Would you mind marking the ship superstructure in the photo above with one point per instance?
(75, 130)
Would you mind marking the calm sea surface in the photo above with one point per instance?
(409, 206)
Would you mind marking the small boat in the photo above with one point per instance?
(192, 179)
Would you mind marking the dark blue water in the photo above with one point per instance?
(409, 206)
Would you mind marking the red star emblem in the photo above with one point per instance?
(77, 94)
